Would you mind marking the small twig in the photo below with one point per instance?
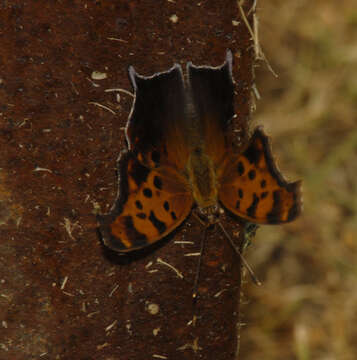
(113, 291)
(259, 54)
(162, 262)
(198, 269)
(64, 282)
(102, 106)
(120, 90)
(244, 262)
(117, 39)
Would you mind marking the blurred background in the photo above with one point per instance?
(307, 306)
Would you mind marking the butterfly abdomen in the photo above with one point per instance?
(202, 178)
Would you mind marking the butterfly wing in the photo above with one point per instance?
(253, 188)
(212, 93)
(150, 204)
(156, 127)
(153, 196)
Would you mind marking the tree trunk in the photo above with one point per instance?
(63, 295)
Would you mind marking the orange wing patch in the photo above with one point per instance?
(253, 188)
(150, 204)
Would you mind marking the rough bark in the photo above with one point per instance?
(63, 296)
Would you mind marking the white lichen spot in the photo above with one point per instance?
(156, 331)
(152, 308)
(174, 18)
(97, 75)
(130, 288)
(128, 327)
(235, 22)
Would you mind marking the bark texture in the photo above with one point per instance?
(63, 296)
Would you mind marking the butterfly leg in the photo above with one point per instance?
(250, 229)
(206, 224)
(198, 269)
(237, 251)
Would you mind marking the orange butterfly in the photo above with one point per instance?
(180, 154)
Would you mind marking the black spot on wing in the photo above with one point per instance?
(158, 182)
(138, 172)
(263, 184)
(141, 215)
(295, 209)
(240, 193)
(166, 206)
(136, 238)
(253, 206)
(237, 204)
(274, 215)
(240, 168)
(138, 204)
(264, 194)
(147, 193)
(159, 225)
(173, 215)
(253, 153)
(251, 174)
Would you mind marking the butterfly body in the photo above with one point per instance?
(180, 154)
(202, 178)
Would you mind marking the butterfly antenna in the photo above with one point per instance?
(242, 259)
(197, 277)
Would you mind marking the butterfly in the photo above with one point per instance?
(180, 153)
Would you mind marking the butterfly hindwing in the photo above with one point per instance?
(150, 204)
(253, 188)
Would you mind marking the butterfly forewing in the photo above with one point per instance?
(253, 188)
(212, 93)
(156, 129)
(153, 197)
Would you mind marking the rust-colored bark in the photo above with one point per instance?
(62, 295)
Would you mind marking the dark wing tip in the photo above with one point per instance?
(227, 63)
(268, 154)
(107, 237)
(135, 77)
(297, 207)
(295, 188)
